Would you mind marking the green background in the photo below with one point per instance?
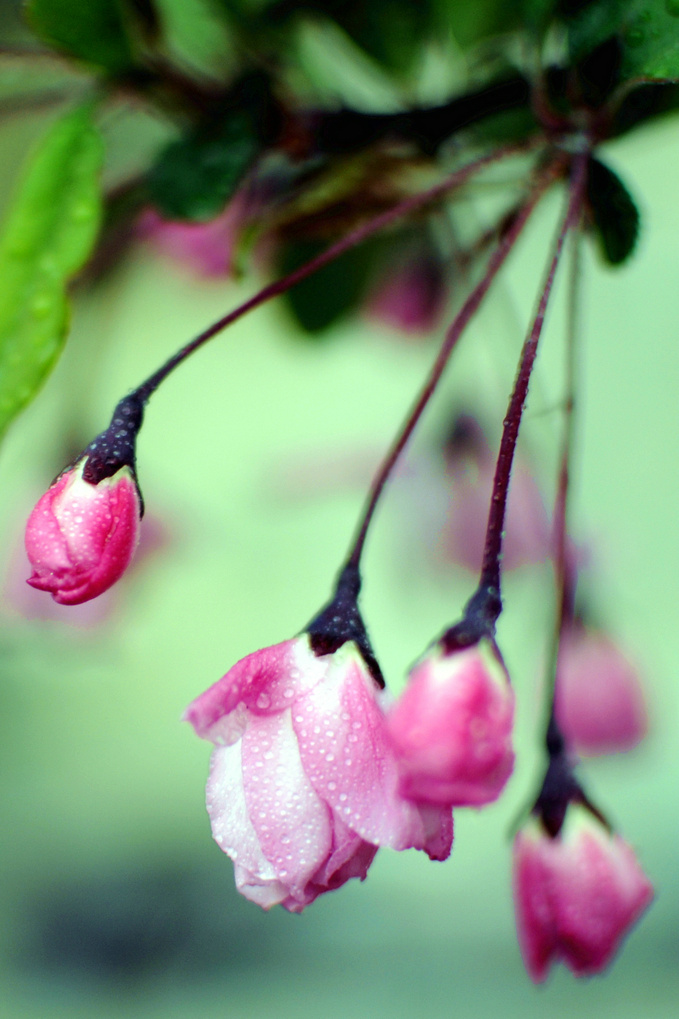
(253, 456)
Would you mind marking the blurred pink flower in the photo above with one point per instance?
(411, 295)
(599, 700)
(303, 782)
(80, 537)
(452, 727)
(577, 894)
(470, 468)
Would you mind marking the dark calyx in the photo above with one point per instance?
(340, 621)
(116, 446)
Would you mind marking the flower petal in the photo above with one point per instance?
(291, 822)
(233, 831)
(265, 681)
(346, 754)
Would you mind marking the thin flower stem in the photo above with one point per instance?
(489, 584)
(351, 240)
(453, 334)
(565, 570)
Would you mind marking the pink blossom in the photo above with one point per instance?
(303, 783)
(206, 248)
(411, 296)
(599, 699)
(576, 894)
(527, 536)
(80, 537)
(452, 727)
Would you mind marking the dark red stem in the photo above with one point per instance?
(351, 240)
(489, 584)
(453, 334)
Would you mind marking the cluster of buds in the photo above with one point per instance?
(314, 768)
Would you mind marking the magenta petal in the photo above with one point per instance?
(80, 537)
(264, 682)
(452, 728)
(577, 895)
(291, 822)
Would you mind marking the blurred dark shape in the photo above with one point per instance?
(128, 926)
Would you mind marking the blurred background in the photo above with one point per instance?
(253, 461)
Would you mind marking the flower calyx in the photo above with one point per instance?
(341, 621)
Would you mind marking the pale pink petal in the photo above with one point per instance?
(263, 892)
(291, 821)
(600, 703)
(233, 831)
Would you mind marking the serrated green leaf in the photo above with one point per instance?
(49, 232)
(614, 216)
(91, 30)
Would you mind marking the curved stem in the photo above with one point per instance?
(351, 240)
(453, 334)
(489, 582)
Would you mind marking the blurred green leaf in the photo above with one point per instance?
(91, 30)
(49, 233)
(648, 30)
(615, 217)
(195, 176)
(322, 299)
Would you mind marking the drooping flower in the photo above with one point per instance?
(82, 533)
(599, 700)
(303, 785)
(577, 893)
(80, 536)
(452, 726)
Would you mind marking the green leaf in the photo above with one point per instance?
(614, 216)
(195, 176)
(322, 299)
(49, 233)
(91, 30)
(648, 30)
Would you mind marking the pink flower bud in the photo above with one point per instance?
(470, 466)
(303, 783)
(599, 699)
(80, 537)
(576, 894)
(205, 248)
(452, 727)
(412, 295)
